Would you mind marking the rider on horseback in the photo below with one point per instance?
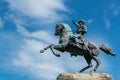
(81, 30)
(67, 44)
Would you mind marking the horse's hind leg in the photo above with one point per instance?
(89, 64)
(97, 63)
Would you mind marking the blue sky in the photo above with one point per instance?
(26, 26)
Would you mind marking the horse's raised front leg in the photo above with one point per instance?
(57, 55)
(43, 50)
(59, 47)
(51, 47)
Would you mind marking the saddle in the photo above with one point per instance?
(79, 42)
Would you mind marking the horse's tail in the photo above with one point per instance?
(105, 48)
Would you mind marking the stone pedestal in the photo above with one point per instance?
(84, 76)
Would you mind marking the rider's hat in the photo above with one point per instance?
(82, 21)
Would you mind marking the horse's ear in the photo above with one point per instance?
(59, 26)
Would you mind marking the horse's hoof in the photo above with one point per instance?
(42, 51)
(58, 55)
(80, 71)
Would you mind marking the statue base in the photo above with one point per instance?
(84, 76)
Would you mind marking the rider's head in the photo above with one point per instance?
(81, 21)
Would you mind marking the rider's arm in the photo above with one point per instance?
(76, 24)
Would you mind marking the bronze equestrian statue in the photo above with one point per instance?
(77, 45)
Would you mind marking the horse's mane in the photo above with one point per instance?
(67, 28)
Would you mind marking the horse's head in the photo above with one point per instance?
(58, 29)
(63, 29)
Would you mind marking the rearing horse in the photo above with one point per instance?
(66, 44)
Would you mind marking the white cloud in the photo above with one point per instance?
(107, 23)
(1, 23)
(106, 20)
(39, 34)
(112, 10)
(116, 12)
(115, 9)
(29, 61)
(41, 9)
(37, 65)
(90, 21)
(42, 35)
